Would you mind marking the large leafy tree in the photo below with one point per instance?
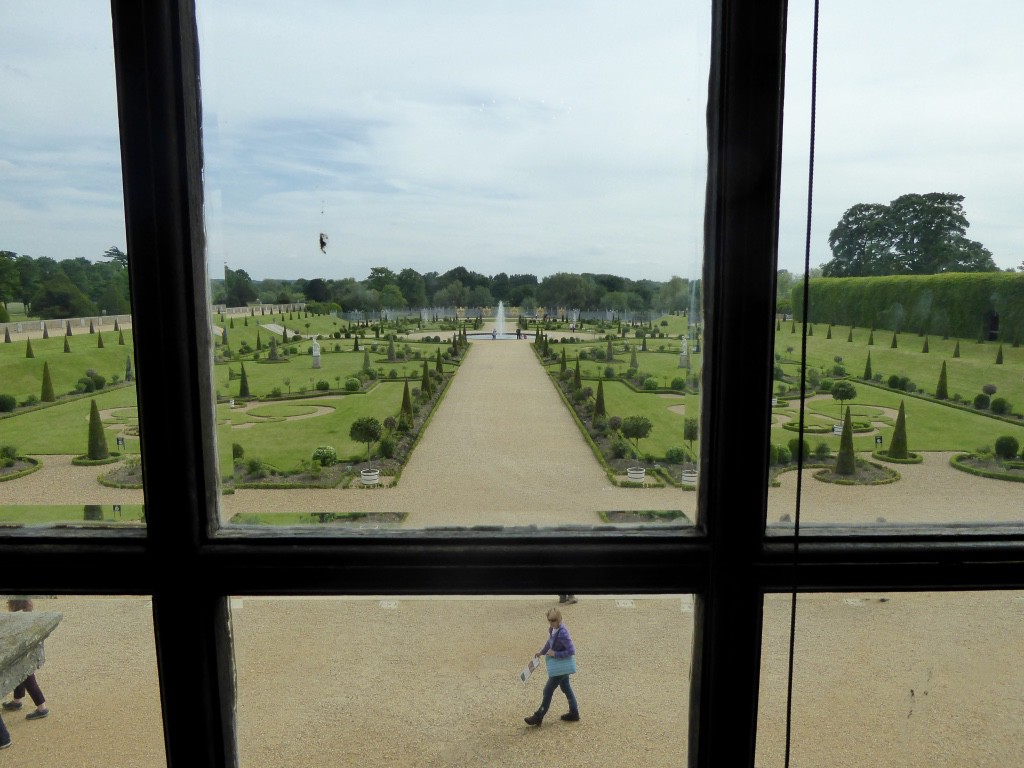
(238, 287)
(913, 235)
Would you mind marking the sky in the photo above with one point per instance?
(511, 136)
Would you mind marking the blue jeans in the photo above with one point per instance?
(558, 681)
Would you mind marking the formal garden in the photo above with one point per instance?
(307, 400)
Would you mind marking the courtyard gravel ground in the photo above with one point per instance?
(881, 680)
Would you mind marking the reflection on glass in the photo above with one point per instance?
(79, 673)
(388, 188)
(894, 680)
(400, 681)
(914, 312)
(69, 431)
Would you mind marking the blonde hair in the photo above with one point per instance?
(554, 613)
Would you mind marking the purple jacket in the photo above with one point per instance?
(560, 642)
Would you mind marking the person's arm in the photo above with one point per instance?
(547, 646)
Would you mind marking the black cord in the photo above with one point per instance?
(803, 389)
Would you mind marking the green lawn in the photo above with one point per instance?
(34, 514)
(966, 375)
(667, 433)
(64, 428)
(283, 444)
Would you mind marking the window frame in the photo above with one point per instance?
(727, 561)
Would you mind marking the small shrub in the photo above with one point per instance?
(650, 383)
(387, 447)
(1000, 406)
(678, 383)
(796, 444)
(85, 385)
(826, 385)
(237, 452)
(614, 423)
(893, 381)
(1007, 447)
(323, 385)
(276, 392)
(675, 455)
(255, 468)
(620, 448)
(981, 401)
(609, 372)
(989, 389)
(352, 385)
(838, 370)
(785, 455)
(822, 451)
(325, 456)
(8, 403)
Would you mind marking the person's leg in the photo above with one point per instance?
(37, 698)
(574, 710)
(5, 736)
(549, 689)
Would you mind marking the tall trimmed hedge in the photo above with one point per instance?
(957, 304)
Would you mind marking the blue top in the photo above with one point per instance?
(560, 642)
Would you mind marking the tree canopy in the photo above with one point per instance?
(913, 235)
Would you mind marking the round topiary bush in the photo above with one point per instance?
(1007, 447)
(323, 385)
(981, 401)
(8, 403)
(325, 456)
(1000, 406)
(650, 383)
(352, 385)
(679, 383)
(989, 389)
(798, 445)
(675, 455)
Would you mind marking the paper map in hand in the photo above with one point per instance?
(528, 669)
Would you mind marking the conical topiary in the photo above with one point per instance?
(120, 338)
(778, 325)
(243, 385)
(355, 343)
(599, 399)
(792, 327)
(407, 401)
(633, 361)
(810, 329)
(425, 387)
(610, 353)
(7, 336)
(893, 345)
(898, 444)
(999, 355)
(924, 348)
(366, 359)
(68, 331)
(643, 343)
(46, 331)
(28, 348)
(871, 338)
(47, 395)
(577, 382)
(956, 349)
(438, 364)
(562, 364)
(92, 328)
(867, 368)
(97, 439)
(849, 336)
(116, 326)
(829, 334)
(942, 388)
(67, 344)
(99, 341)
(846, 460)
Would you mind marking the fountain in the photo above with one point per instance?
(499, 321)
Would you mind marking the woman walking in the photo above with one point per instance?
(560, 658)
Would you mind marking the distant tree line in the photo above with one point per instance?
(385, 289)
(69, 288)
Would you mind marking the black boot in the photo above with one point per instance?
(572, 716)
(535, 719)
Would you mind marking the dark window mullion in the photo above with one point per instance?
(156, 65)
(741, 225)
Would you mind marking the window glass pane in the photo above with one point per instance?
(69, 445)
(400, 681)
(397, 181)
(894, 679)
(94, 675)
(906, 160)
